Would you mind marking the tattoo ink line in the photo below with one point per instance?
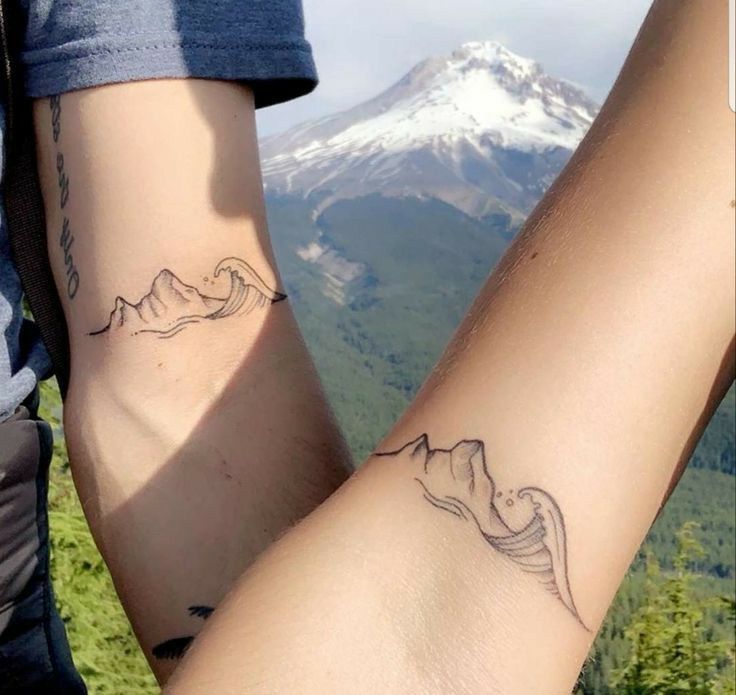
(66, 238)
(176, 647)
(457, 481)
(171, 306)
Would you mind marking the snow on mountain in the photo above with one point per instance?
(483, 129)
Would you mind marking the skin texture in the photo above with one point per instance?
(192, 453)
(586, 368)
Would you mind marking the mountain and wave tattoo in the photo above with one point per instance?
(457, 481)
(171, 305)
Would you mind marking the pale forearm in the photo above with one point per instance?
(583, 371)
(196, 425)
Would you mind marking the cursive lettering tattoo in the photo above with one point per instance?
(176, 647)
(457, 481)
(66, 238)
(172, 306)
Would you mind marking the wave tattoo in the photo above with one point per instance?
(457, 481)
(171, 306)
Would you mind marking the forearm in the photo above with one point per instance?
(195, 422)
(578, 379)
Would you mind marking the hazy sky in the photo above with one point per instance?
(363, 47)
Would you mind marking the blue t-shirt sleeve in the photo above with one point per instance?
(73, 44)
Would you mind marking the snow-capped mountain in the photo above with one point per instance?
(482, 129)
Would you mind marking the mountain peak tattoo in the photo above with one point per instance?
(171, 306)
(457, 481)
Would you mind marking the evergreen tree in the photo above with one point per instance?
(670, 649)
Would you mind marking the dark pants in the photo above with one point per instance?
(34, 652)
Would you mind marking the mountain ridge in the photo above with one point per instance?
(482, 129)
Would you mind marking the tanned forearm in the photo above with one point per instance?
(196, 425)
(479, 549)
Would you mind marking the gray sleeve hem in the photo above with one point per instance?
(277, 72)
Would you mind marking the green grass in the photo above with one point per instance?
(104, 648)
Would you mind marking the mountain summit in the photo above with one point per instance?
(482, 129)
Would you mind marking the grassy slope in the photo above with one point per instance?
(104, 648)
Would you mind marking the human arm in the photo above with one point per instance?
(583, 371)
(197, 429)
